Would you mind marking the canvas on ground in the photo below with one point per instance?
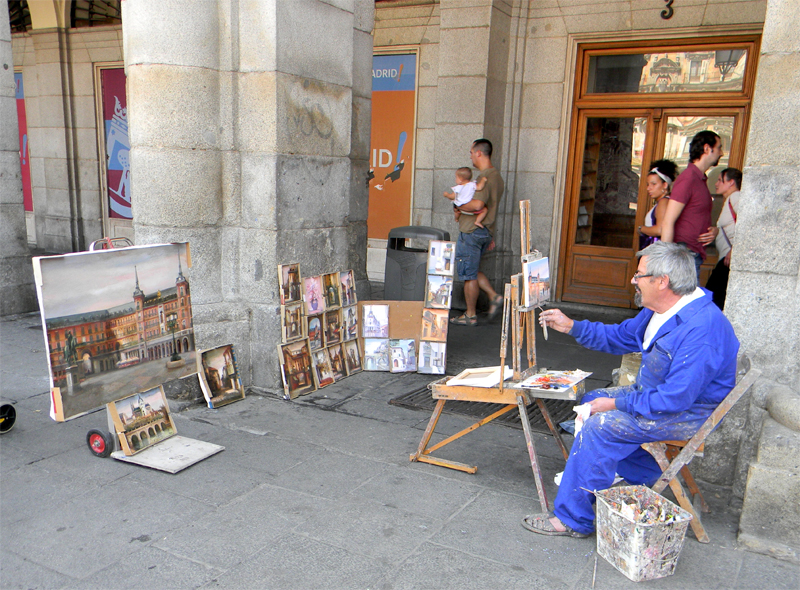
(441, 258)
(115, 322)
(403, 355)
(322, 367)
(141, 420)
(376, 354)
(353, 355)
(292, 325)
(315, 301)
(330, 287)
(434, 324)
(432, 357)
(333, 327)
(219, 376)
(375, 323)
(537, 282)
(348, 288)
(291, 287)
(350, 323)
(338, 368)
(298, 378)
(316, 335)
(438, 292)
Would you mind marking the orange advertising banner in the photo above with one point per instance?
(394, 88)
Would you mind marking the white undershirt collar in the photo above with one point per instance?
(659, 319)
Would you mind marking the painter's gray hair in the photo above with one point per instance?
(674, 261)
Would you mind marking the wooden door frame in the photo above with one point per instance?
(737, 103)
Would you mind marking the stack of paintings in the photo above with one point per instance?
(319, 328)
(435, 316)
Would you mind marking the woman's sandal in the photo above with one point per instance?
(464, 320)
(540, 523)
(495, 306)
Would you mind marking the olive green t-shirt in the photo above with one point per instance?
(490, 195)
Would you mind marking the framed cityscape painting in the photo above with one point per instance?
(298, 378)
(219, 376)
(115, 322)
(290, 285)
(348, 288)
(376, 354)
(432, 358)
(403, 355)
(141, 420)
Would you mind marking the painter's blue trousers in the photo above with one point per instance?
(610, 442)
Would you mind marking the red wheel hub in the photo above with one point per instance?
(97, 443)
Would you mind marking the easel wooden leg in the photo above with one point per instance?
(552, 427)
(426, 437)
(537, 473)
(659, 452)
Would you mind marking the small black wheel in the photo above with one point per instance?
(8, 415)
(100, 443)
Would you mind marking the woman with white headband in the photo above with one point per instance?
(659, 183)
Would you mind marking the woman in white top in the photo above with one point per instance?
(659, 183)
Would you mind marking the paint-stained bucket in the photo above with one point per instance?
(640, 532)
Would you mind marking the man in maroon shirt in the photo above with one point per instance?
(687, 219)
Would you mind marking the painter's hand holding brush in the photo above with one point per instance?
(554, 318)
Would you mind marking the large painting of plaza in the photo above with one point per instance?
(116, 322)
(142, 420)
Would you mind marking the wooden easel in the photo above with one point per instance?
(521, 321)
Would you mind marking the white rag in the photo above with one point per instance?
(583, 411)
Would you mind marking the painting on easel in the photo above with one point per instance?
(115, 321)
(219, 376)
(141, 420)
(536, 280)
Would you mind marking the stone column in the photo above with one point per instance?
(474, 41)
(16, 273)
(242, 119)
(763, 301)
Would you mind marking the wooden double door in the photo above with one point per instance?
(619, 126)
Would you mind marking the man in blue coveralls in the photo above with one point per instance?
(688, 366)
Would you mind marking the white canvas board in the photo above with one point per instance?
(172, 455)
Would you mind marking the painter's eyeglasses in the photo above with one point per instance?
(639, 275)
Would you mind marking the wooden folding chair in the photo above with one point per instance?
(674, 457)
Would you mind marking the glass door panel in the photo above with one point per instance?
(610, 181)
(680, 131)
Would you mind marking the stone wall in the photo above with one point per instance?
(58, 72)
(16, 274)
(763, 302)
(249, 127)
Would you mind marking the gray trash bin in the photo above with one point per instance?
(405, 271)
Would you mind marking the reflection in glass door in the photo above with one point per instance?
(610, 179)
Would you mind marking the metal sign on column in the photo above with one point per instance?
(394, 89)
